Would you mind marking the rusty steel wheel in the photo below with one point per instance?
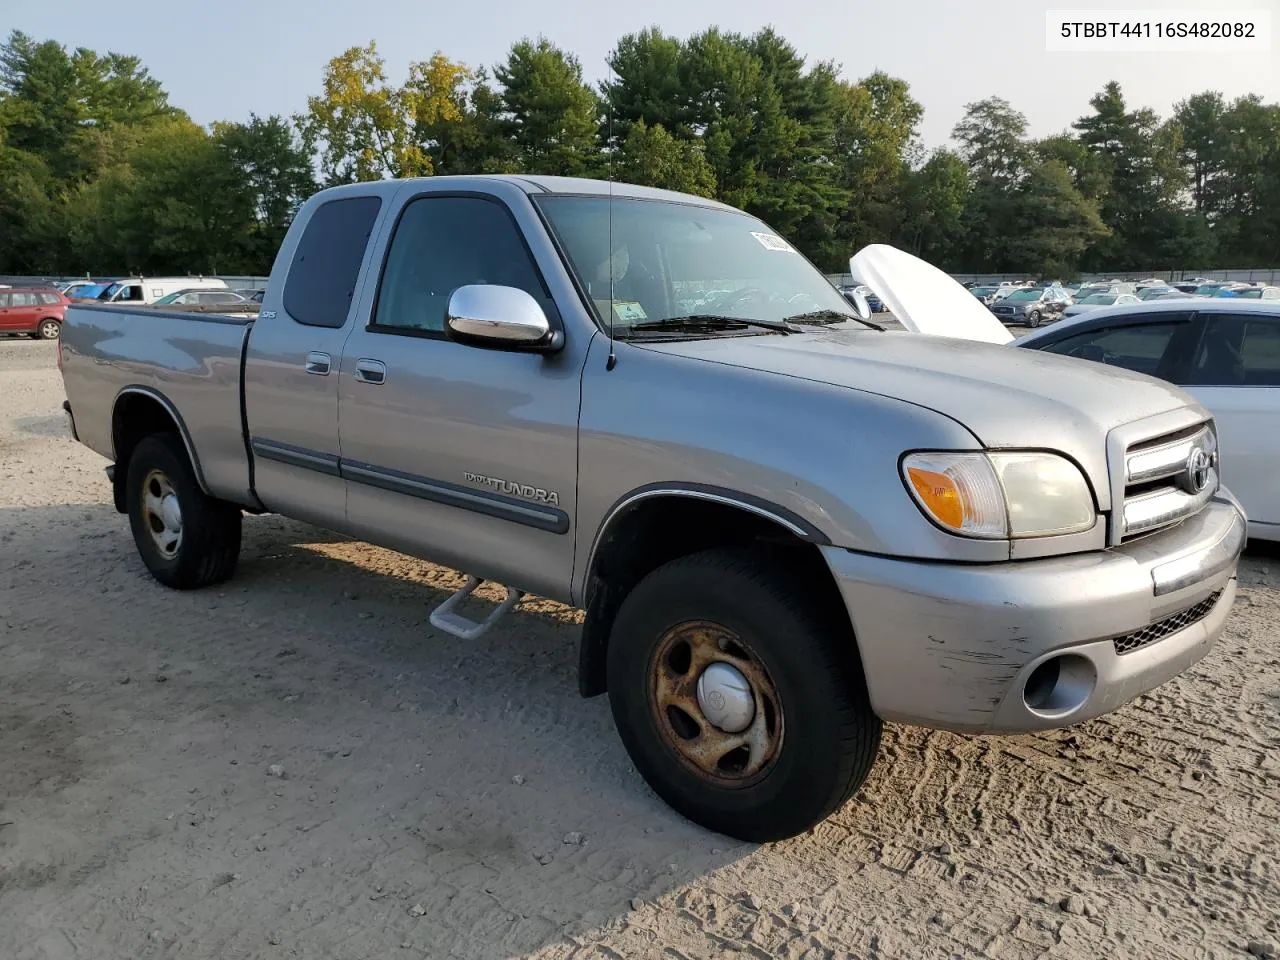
(735, 685)
(715, 704)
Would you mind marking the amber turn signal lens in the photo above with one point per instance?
(939, 495)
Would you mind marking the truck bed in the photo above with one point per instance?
(190, 361)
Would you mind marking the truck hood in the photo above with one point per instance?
(1005, 398)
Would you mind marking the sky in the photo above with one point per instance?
(224, 61)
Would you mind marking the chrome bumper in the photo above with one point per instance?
(978, 648)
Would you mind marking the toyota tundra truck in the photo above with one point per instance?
(786, 524)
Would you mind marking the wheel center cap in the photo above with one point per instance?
(171, 512)
(725, 698)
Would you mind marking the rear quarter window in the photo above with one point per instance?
(326, 263)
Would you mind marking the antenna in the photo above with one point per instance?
(612, 361)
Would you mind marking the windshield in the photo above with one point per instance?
(110, 292)
(1255, 293)
(1024, 296)
(983, 291)
(1208, 288)
(672, 259)
(1106, 299)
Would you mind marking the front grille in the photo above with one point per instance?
(1167, 479)
(1163, 628)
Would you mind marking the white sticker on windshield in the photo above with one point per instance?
(629, 311)
(770, 242)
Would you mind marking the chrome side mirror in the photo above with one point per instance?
(501, 318)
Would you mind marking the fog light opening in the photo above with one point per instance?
(1060, 686)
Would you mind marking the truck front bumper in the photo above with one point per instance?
(1033, 645)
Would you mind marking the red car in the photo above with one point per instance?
(35, 311)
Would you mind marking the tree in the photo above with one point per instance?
(1138, 156)
(269, 166)
(550, 117)
(874, 143)
(362, 126)
(647, 86)
(992, 139)
(652, 157)
(934, 199)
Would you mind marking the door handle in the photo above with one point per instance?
(371, 371)
(318, 363)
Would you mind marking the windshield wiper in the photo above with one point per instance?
(830, 316)
(707, 322)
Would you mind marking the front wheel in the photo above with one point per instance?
(186, 538)
(1033, 319)
(741, 700)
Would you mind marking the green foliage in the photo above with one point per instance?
(98, 172)
(548, 115)
(652, 157)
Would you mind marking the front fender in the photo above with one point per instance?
(820, 459)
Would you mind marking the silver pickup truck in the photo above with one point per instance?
(785, 524)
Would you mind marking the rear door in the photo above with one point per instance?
(291, 365)
(1235, 373)
(7, 321)
(24, 310)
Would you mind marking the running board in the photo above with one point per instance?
(443, 617)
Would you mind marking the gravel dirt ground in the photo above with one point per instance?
(297, 765)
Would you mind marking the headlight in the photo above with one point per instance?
(997, 496)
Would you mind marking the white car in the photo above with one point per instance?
(1097, 301)
(1224, 352)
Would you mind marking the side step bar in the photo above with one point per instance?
(443, 617)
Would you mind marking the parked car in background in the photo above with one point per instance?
(1032, 306)
(1259, 292)
(91, 292)
(253, 296)
(1157, 290)
(1211, 288)
(984, 293)
(197, 297)
(1097, 301)
(151, 289)
(34, 311)
(1225, 353)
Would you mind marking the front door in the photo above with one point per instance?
(458, 453)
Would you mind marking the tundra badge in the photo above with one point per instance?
(511, 488)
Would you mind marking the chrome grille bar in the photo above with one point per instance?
(1167, 459)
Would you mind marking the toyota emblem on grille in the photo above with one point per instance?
(1199, 470)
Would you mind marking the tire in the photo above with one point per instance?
(207, 542)
(1033, 319)
(49, 329)
(821, 734)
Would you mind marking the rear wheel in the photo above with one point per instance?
(50, 329)
(186, 538)
(740, 698)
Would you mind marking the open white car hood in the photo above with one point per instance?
(922, 297)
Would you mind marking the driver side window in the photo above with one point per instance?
(442, 243)
(1140, 348)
